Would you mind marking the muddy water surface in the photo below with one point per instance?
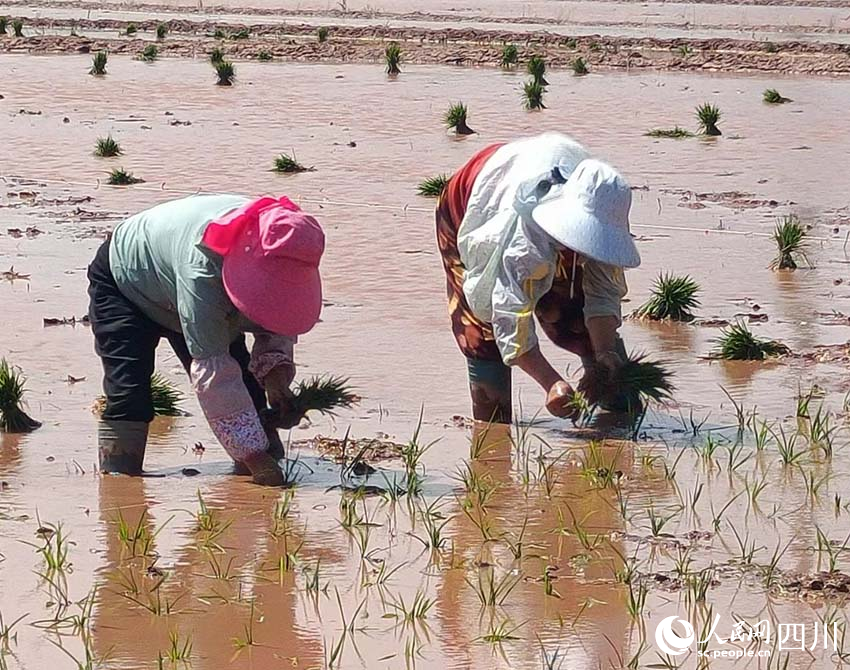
(701, 207)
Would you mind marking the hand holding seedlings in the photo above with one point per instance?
(321, 394)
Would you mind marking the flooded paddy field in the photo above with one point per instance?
(541, 545)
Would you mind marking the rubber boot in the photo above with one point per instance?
(121, 446)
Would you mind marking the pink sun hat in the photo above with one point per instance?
(270, 271)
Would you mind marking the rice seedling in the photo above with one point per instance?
(773, 97)
(4, 22)
(161, 31)
(698, 585)
(433, 187)
(493, 592)
(219, 34)
(579, 66)
(131, 29)
(247, 639)
(149, 54)
(107, 147)
(225, 73)
(322, 34)
(737, 343)
(216, 56)
(708, 116)
(288, 165)
(831, 550)
(138, 540)
(455, 119)
(241, 34)
(789, 236)
(13, 419)
(551, 660)
(411, 458)
(786, 445)
(410, 614)
(510, 56)
(814, 484)
(532, 95)
(433, 523)
(7, 634)
(673, 133)
(264, 56)
(120, 177)
(537, 69)
(18, 28)
(323, 394)
(55, 549)
(638, 381)
(673, 298)
(392, 55)
(636, 600)
(685, 51)
(822, 432)
(178, 650)
(98, 64)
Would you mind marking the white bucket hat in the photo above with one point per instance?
(590, 215)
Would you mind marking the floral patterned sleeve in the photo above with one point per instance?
(228, 407)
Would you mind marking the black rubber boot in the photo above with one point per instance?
(121, 446)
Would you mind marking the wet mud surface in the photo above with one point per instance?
(537, 542)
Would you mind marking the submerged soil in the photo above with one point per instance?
(569, 533)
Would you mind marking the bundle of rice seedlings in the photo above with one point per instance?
(634, 384)
(433, 186)
(772, 97)
(264, 56)
(284, 163)
(18, 28)
(149, 53)
(216, 56)
(579, 66)
(98, 64)
(241, 34)
(132, 29)
(392, 54)
(225, 73)
(532, 95)
(161, 31)
(320, 394)
(107, 147)
(737, 343)
(708, 116)
(510, 56)
(3, 23)
(789, 236)
(672, 298)
(120, 177)
(537, 69)
(13, 419)
(322, 34)
(165, 396)
(219, 34)
(674, 133)
(456, 119)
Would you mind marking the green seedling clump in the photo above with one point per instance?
(4, 22)
(510, 56)
(433, 186)
(532, 95)
(772, 97)
(537, 69)
(673, 298)
(98, 64)
(107, 147)
(392, 54)
(120, 177)
(580, 66)
(161, 31)
(790, 237)
(216, 56)
(225, 73)
(674, 133)
(13, 419)
(319, 394)
(149, 54)
(288, 164)
(737, 343)
(132, 29)
(264, 56)
(18, 28)
(165, 396)
(708, 116)
(635, 383)
(322, 34)
(455, 119)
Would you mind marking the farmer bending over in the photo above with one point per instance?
(201, 272)
(535, 227)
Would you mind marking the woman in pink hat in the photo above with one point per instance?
(201, 272)
(535, 227)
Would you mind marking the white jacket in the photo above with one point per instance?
(510, 262)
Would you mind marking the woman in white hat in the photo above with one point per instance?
(535, 227)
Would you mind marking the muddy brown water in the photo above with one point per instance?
(385, 326)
